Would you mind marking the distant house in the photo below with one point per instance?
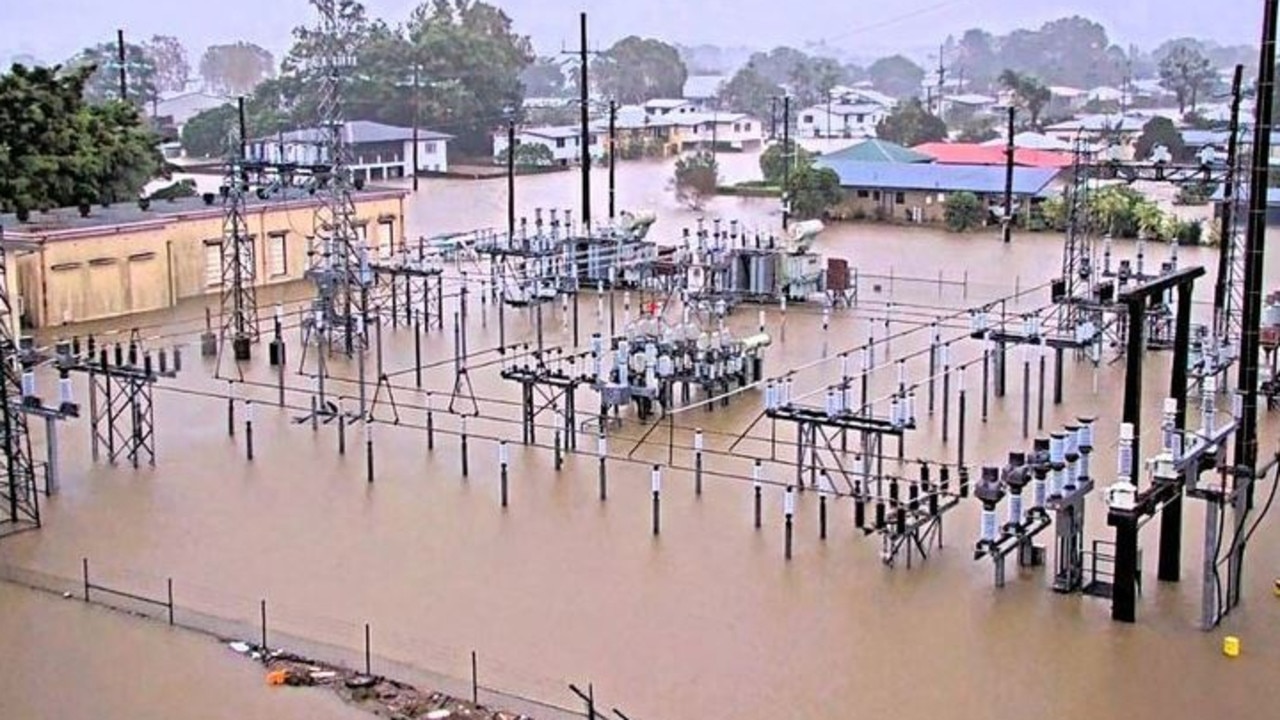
(861, 93)
(1105, 94)
(1069, 97)
(961, 107)
(917, 192)
(873, 151)
(1197, 140)
(978, 154)
(1120, 130)
(841, 120)
(376, 151)
(180, 108)
(1033, 141)
(732, 131)
(704, 90)
(660, 107)
(563, 141)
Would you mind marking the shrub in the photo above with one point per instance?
(963, 211)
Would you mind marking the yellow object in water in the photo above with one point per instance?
(1231, 646)
(277, 677)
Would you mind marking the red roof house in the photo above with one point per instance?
(974, 154)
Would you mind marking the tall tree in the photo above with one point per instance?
(637, 69)
(1185, 72)
(1029, 94)
(897, 76)
(779, 64)
(911, 123)
(104, 82)
(173, 71)
(235, 69)
(544, 78)
(812, 80)
(749, 92)
(1160, 131)
(59, 151)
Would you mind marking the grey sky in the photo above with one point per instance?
(55, 29)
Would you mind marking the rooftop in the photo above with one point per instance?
(1033, 141)
(120, 214)
(878, 151)
(665, 103)
(1098, 123)
(864, 108)
(975, 154)
(984, 179)
(356, 132)
(552, 132)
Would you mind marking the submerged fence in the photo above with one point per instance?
(262, 625)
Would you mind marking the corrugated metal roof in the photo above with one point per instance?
(878, 151)
(1032, 141)
(941, 178)
(358, 131)
(975, 154)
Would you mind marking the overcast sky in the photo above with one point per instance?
(55, 29)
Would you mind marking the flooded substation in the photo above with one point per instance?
(801, 533)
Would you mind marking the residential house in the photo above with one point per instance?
(703, 91)
(1105, 94)
(841, 120)
(872, 151)
(731, 131)
(1100, 130)
(661, 107)
(1067, 98)
(564, 142)
(375, 151)
(1197, 140)
(861, 93)
(977, 154)
(964, 106)
(177, 109)
(917, 192)
(1033, 141)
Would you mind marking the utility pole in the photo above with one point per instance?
(416, 113)
(1009, 150)
(773, 118)
(124, 74)
(613, 156)
(942, 74)
(787, 157)
(511, 181)
(584, 118)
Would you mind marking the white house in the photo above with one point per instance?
(841, 120)
(659, 107)
(966, 104)
(563, 142)
(1106, 94)
(859, 94)
(1071, 98)
(181, 107)
(375, 151)
(734, 131)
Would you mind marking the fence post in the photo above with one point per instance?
(475, 681)
(368, 656)
(169, 584)
(84, 565)
(262, 605)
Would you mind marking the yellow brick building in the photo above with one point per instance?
(124, 260)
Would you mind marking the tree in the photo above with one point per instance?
(897, 76)
(1030, 95)
(773, 161)
(1160, 131)
(56, 150)
(696, 178)
(173, 71)
(911, 124)
(544, 78)
(530, 155)
(638, 69)
(779, 64)
(750, 92)
(104, 82)
(205, 135)
(1185, 73)
(235, 69)
(963, 210)
(812, 191)
(978, 130)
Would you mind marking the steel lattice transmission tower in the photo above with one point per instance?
(338, 263)
(239, 293)
(19, 502)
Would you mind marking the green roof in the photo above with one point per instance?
(878, 151)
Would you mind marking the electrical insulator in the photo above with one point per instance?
(602, 445)
(502, 452)
(1015, 508)
(28, 384)
(1039, 490)
(789, 502)
(988, 521)
(1169, 426)
(64, 388)
(1124, 458)
(833, 403)
(1057, 462)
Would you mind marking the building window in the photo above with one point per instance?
(860, 118)
(863, 194)
(386, 239)
(807, 119)
(277, 262)
(746, 127)
(876, 196)
(559, 142)
(213, 263)
(430, 148)
(737, 127)
(899, 198)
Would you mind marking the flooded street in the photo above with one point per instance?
(706, 620)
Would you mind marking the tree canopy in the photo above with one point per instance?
(468, 60)
(1186, 73)
(1160, 131)
(696, 177)
(773, 161)
(911, 124)
(236, 68)
(897, 76)
(1071, 51)
(103, 82)
(812, 191)
(544, 78)
(173, 70)
(56, 150)
(750, 92)
(1029, 94)
(637, 69)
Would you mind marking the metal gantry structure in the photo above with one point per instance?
(19, 498)
(239, 304)
(338, 261)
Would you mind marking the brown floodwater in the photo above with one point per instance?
(705, 620)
